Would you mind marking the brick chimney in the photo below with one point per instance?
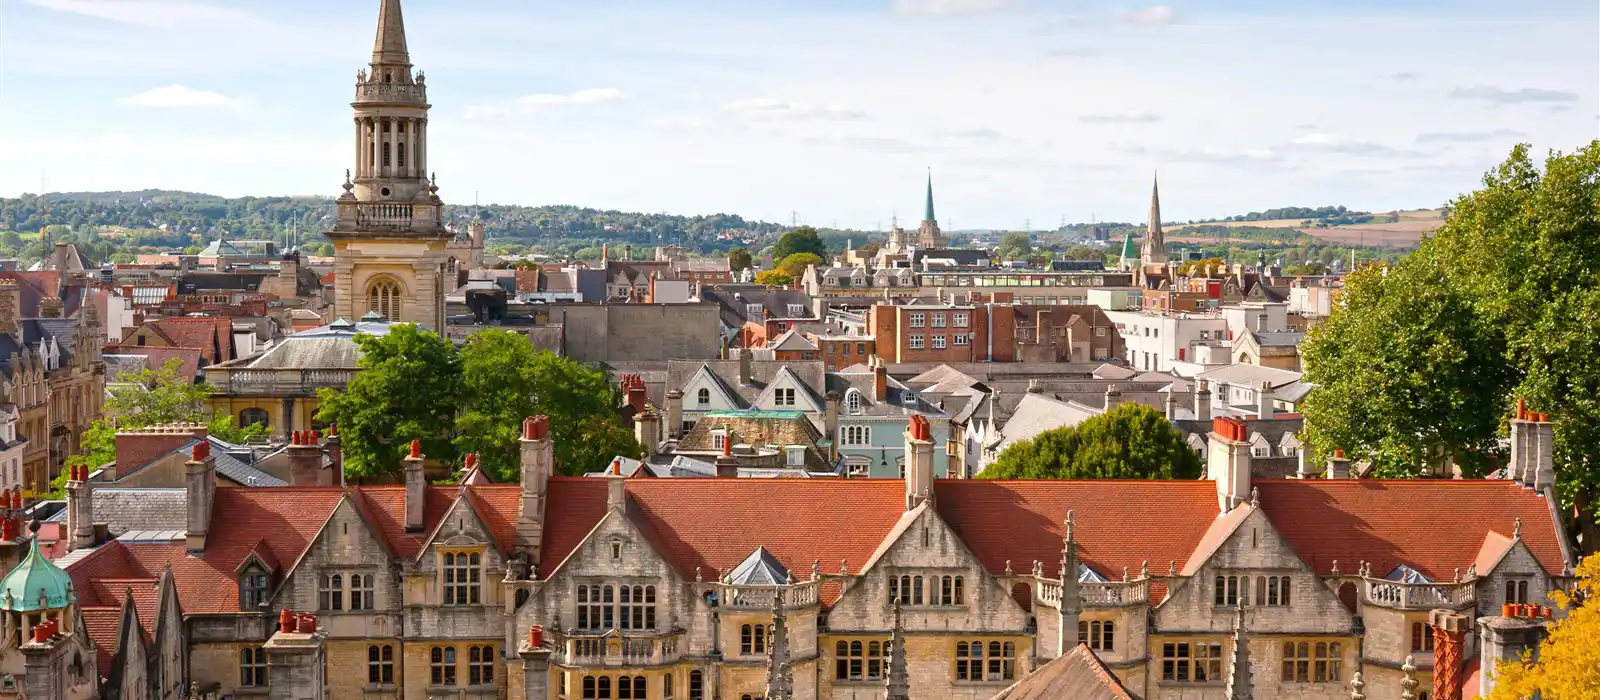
(1202, 401)
(1228, 461)
(10, 308)
(674, 427)
(1449, 650)
(727, 464)
(633, 391)
(538, 461)
(880, 381)
(1113, 397)
(416, 488)
(136, 448)
(80, 508)
(830, 423)
(305, 460)
(200, 485)
(919, 461)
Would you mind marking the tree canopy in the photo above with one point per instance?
(415, 385)
(795, 265)
(773, 277)
(505, 379)
(1014, 246)
(1568, 667)
(1131, 441)
(739, 259)
(1423, 361)
(800, 240)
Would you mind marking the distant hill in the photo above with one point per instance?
(1398, 229)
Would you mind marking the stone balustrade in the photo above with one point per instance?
(276, 382)
(1417, 596)
(392, 92)
(392, 216)
(795, 595)
(1095, 595)
(614, 649)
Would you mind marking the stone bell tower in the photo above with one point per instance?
(390, 239)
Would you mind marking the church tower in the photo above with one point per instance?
(929, 236)
(390, 239)
(1155, 242)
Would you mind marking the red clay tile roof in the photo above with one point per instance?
(385, 509)
(102, 618)
(1433, 526)
(213, 336)
(102, 625)
(188, 358)
(1079, 675)
(1119, 524)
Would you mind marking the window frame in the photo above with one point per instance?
(481, 660)
(855, 435)
(860, 660)
(461, 593)
(442, 666)
(252, 667)
(991, 660)
(380, 664)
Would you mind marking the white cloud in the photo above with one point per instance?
(1335, 143)
(1153, 16)
(1502, 96)
(767, 109)
(978, 134)
(485, 112)
(160, 14)
(1129, 117)
(582, 97)
(1467, 136)
(181, 96)
(1222, 156)
(675, 123)
(949, 7)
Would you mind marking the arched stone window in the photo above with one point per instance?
(383, 296)
(253, 416)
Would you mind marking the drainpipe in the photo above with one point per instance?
(989, 311)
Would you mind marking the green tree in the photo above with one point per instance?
(1014, 246)
(409, 387)
(795, 265)
(506, 379)
(1083, 252)
(774, 278)
(1520, 274)
(138, 399)
(800, 240)
(739, 259)
(1132, 441)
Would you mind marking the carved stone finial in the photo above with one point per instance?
(1144, 569)
(1516, 529)
(1124, 574)
(1457, 577)
(1356, 686)
(816, 569)
(1172, 568)
(698, 578)
(1336, 567)
(1408, 687)
(844, 570)
(1255, 497)
(1008, 567)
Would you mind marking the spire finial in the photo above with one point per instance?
(927, 210)
(1516, 529)
(1239, 680)
(897, 680)
(389, 48)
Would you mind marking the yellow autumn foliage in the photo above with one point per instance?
(1569, 660)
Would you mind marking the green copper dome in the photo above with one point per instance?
(36, 584)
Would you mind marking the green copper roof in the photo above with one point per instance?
(927, 211)
(1128, 251)
(36, 584)
(756, 413)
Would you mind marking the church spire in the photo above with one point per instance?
(389, 48)
(927, 209)
(1155, 241)
(1239, 682)
(928, 235)
(897, 680)
(1071, 604)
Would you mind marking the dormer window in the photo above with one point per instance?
(797, 310)
(254, 586)
(852, 403)
(703, 397)
(718, 439)
(909, 397)
(462, 576)
(752, 312)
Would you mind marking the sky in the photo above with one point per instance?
(828, 112)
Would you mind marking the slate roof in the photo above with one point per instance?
(734, 301)
(1249, 376)
(811, 374)
(332, 346)
(759, 569)
(1037, 413)
(896, 395)
(775, 429)
(154, 358)
(128, 510)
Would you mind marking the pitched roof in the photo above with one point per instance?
(1433, 526)
(1078, 674)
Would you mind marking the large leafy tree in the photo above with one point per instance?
(506, 379)
(1568, 667)
(1504, 303)
(800, 240)
(795, 265)
(739, 259)
(1014, 246)
(409, 387)
(1131, 441)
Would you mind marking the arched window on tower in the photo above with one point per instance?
(383, 296)
(401, 153)
(386, 151)
(372, 154)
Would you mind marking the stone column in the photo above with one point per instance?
(535, 655)
(1449, 648)
(422, 147)
(295, 658)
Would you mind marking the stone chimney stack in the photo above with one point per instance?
(538, 462)
(535, 653)
(1228, 461)
(1202, 401)
(1532, 449)
(416, 488)
(332, 446)
(200, 484)
(746, 355)
(10, 308)
(617, 494)
(727, 464)
(58, 261)
(299, 655)
(1264, 400)
(80, 508)
(1449, 651)
(305, 459)
(647, 430)
(1113, 397)
(1172, 405)
(919, 462)
(1338, 466)
(1504, 638)
(674, 427)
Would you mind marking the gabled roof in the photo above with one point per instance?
(1078, 675)
(759, 569)
(793, 341)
